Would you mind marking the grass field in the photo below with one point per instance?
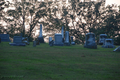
(58, 63)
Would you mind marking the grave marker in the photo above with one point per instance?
(67, 43)
(34, 43)
(117, 49)
(109, 43)
(62, 32)
(51, 42)
(72, 42)
(90, 41)
(40, 38)
(102, 38)
(17, 41)
(58, 40)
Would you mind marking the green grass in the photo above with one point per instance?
(58, 63)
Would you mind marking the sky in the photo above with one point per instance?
(113, 2)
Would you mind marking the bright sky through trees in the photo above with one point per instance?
(113, 2)
(107, 1)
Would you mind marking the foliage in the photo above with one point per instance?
(27, 13)
(77, 17)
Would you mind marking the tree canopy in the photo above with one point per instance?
(77, 17)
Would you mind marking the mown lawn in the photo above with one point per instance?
(58, 63)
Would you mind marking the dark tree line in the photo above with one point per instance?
(77, 17)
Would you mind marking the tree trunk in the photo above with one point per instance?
(23, 20)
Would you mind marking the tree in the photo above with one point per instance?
(3, 6)
(27, 13)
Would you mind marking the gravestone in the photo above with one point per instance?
(34, 43)
(109, 43)
(66, 42)
(40, 38)
(25, 40)
(102, 38)
(62, 32)
(17, 41)
(117, 49)
(58, 40)
(5, 38)
(37, 41)
(72, 42)
(90, 41)
(51, 42)
(50, 39)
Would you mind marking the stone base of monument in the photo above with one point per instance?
(91, 46)
(117, 49)
(17, 44)
(58, 44)
(108, 46)
(41, 39)
(67, 44)
(72, 43)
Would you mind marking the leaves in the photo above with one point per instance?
(77, 17)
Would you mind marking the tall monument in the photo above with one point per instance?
(40, 38)
(62, 32)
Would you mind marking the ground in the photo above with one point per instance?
(58, 63)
